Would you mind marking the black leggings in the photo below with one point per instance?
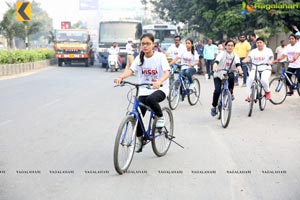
(218, 84)
(152, 101)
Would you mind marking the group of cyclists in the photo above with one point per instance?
(153, 67)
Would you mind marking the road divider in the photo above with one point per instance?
(13, 69)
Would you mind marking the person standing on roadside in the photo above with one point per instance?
(130, 51)
(278, 54)
(242, 49)
(252, 40)
(209, 53)
(200, 48)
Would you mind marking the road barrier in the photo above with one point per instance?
(13, 69)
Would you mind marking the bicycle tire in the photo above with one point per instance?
(194, 93)
(174, 95)
(298, 88)
(253, 98)
(262, 99)
(278, 90)
(226, 108)
(161, 138)
(124, 140)
(219, 107)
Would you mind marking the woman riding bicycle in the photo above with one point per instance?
(260, 55)
(189, 59)
(227, 60)
(292, 52)
(151, 67)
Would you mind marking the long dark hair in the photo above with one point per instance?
(191, 40)
(142, 53)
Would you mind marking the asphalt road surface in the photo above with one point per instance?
(57, 132)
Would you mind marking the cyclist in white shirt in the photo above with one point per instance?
(189, 61)
(292, 52)
(260, 55)
(227, 60)
(175, 50)
(151, 67)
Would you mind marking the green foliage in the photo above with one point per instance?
(214, 18)
(24, 56)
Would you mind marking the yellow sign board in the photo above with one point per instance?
(23, 11)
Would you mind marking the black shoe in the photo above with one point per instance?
(213, 111)
(139, 144)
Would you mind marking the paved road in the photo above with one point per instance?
(57, 130)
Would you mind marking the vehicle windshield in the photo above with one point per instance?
(164, 36)
(71, 36)
(119, 32)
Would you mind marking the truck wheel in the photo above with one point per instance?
(60, 62)
(86, 62)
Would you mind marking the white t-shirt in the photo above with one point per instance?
(151, 71)
(290, 51)
(280, 50)
(188, 58)
(129, 49)
(174, 51)
(113, 50)
(260, 57)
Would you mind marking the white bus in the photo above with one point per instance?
(163, 32)
(116, 31)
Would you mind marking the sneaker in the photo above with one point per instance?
(232, 97)
(268, 95)
(244, 85)
(289, 93)
(192, 86)
(248, 99)
(213, 111)
(139, 144)
(160, 122)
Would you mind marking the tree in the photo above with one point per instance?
(217, 17)
(34, 29)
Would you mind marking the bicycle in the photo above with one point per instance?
(125, 141)
(258, 93)
(278, 86)
(225, 101)
(180, 87)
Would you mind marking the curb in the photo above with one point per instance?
(13, 69)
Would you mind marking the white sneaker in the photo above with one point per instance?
(192, 86)
(160, 122)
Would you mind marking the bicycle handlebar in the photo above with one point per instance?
(251, 63)
(137, 85)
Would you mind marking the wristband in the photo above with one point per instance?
(121, 78)
(294, 59)
(278, 59)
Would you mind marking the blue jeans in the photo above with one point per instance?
(188, 73)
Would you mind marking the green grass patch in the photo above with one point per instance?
(24, 56)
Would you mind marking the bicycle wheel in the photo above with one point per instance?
(298, 88)
(161, 138)
(194, 94)
(253, 98)
(219, 107)
(262, 99)
(226, 108)
(125, 144)
(174, 95)
(278, 90)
